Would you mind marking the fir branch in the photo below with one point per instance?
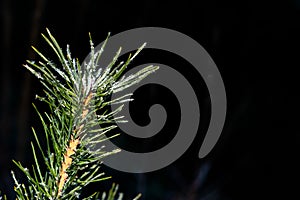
(70, 126)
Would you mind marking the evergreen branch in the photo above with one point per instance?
(70, 125)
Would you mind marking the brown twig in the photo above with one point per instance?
(71, 149)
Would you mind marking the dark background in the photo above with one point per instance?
(255, 45)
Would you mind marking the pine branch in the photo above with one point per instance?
(70, 126)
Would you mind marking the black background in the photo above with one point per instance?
(255, 45)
